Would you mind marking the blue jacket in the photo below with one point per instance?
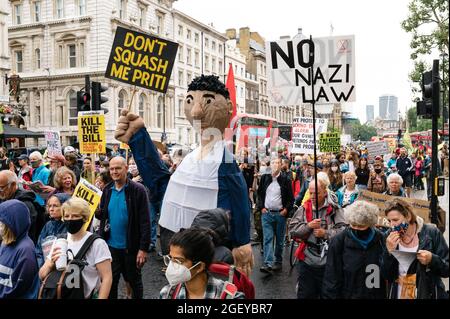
(233, 194)
(52, 228)
(18, 266)
(41, 174)
(340, 195)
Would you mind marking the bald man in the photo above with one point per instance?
(125, 226)
(9, 189)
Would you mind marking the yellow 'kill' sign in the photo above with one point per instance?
(90, 194)
(91, 132)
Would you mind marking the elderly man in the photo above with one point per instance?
(207, 178)
(395, 182)
(315, 227)
(125, 226)
(40, 173)
(56, 161)
(9, 190)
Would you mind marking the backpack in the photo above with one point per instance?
(54, 286)
(235, 281)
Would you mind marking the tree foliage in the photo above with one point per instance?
(428, 22)
(363, 132)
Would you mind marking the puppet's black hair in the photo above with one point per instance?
(209, 83)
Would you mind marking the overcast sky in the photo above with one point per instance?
(382, 52)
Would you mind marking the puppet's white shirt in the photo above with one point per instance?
(192, 188)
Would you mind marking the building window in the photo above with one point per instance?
(220, 48)
(188, 56)
(242, 71)
(81, 54)
(188, 34)
(206, 43)
(213, 64)
(122, 100)
(242, 92)
(81, 7)
(180, 53)
(180, 30)
(60, 9)
(196, 37)
(220, 67)
(37, 54)
(142, 14)
(142, 100)
(73, 111)
(180, 78)
(19, 61)
(72, 51)
(122, 6)
(159, 110)
(197, 59)
(207, 62)
(37, 11)
(189, 77)
(160, 24)
(18, 13)
(180, 107)
(213, 45)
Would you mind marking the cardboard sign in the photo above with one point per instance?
(330, 142)
(140, 59)
(91, 132)
(90, 194)
(289, 80)
(392, 143)
(303, 134)
(377, 148)
(421, 207)
(53, 143)
(124, 146)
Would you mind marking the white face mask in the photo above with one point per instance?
(132, 169)
(177, 274)
(334, 168)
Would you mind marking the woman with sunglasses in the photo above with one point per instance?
(191, 254)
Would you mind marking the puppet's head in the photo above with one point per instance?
(208, 103)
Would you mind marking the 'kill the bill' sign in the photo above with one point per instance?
(91, 132)
(289, 77)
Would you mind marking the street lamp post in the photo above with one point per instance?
(444, 91)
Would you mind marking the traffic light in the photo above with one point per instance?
(97, 98)
(83, 101)
(425, 107)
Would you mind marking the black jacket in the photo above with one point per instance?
(138, 232)
(346, 271)
(287, 196)
(428, 278)
(404, 165)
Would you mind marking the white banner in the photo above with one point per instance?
(303, 134)
(289, 80)
(53, 143)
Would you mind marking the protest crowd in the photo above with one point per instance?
(200, 220)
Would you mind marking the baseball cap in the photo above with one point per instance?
(23, 157)
(319, 164)
(69, 149)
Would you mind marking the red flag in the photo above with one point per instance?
(232, 90)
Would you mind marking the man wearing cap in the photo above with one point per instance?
(25, 172)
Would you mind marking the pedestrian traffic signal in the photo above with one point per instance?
(425, 107)
(97, 98)
(83, 101)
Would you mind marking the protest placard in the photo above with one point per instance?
(141, 59)
(53, 143)
(392, 143)
(90, 194)
(124, 146)
(330, 142)
(91, 132)
(303, 134)
(289, 80)
(377, 148)
(421, 207)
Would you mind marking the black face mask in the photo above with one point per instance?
(378, 170)
(74, 226)
(362, 234)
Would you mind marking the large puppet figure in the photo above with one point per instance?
(207, 178)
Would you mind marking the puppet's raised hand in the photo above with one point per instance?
(243, 258)
(129, 123)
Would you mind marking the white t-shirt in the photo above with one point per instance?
(404, 263)
(97, 253)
